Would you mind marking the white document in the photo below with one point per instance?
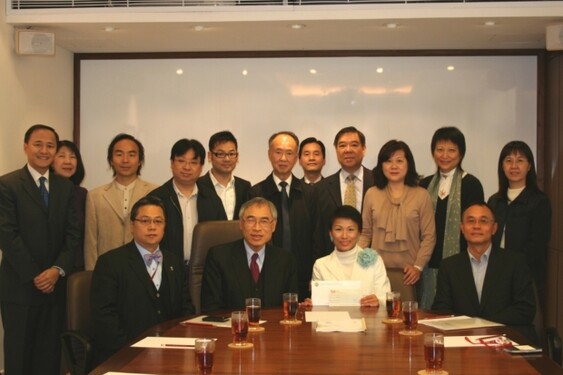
(466, 341)
(166, 342)
(315, 316)
(336, 293)
(349, 325)
(458, 322)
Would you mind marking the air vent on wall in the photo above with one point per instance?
(32, 42)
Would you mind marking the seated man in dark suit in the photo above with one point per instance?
(137, 285)
(249, 267)
(486, 282)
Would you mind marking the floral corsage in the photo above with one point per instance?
(367, 257)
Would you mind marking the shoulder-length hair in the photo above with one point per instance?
(78, 175)
(511, 148)
(387, 150)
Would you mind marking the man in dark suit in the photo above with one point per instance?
(249, 267)
(230, 191)
(137, 285)
(350, 146)
(487, 282)
(186, 201)
(295, 225)
(38, 237)
(312, 155)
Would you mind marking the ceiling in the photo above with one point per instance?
(515, 25)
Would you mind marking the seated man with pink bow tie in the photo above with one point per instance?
(137, 285)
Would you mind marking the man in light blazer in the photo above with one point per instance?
(137, 285)
(227, 277)
(485, 281)
(39, 236)
(108, 206)
(350, 146)
(230, 191)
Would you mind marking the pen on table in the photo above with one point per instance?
(197, 324)
(177, 346)
(439, 317)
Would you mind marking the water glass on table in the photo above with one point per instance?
(433, 354)
(239, 328)
(204, 352)
(253, 311)
(290, 307)
(410, 318)
(393, 305)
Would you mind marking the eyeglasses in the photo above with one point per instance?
(223, 155)
(146, 221)
(481, 221)
(251, 221)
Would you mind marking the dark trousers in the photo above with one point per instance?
(32, 343)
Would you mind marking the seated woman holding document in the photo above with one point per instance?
(350, 262)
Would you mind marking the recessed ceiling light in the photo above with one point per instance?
(109, 29)
(391, 25)
(179, 71)
(379, 70)
(297, 26)
(450, 68)
(313, 71)
(490, 23)
(199, 28)
(244, 72)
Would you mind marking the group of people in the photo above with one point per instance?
(463, 255)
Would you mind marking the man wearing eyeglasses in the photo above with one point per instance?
(486, 282)
(186, 202)
(249, 267)
(137, 285)
(293, 199)
(230, 191)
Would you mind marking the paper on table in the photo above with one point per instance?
(314, 316)
(465, 341)
(350, 325)
(336, 293)
(198, 320)
(166, 342)
(458, 322)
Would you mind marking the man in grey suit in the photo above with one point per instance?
(38, 237)
(350, 147)
(137, 285)
(485, 281)
(249, 267)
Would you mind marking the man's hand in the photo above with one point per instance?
(46, 280)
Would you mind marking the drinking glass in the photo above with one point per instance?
(393, 304)
(239, 327)
(410, 315)
(253, 311)
(434, 352)
(290, 307)
(204, 352)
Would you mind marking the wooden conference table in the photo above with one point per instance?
(300, 350)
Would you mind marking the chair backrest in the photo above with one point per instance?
(396, 275)
(206, 235)
(554, 347)
(78, 301)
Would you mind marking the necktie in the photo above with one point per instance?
(286, 238)
(156, 256)
(350, 193)
(254, 269)
(43, 190)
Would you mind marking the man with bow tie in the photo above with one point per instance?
(138, 285)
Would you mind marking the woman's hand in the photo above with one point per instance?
(369, 301)
(306, 304)
(412, 275)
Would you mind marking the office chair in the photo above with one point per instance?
(76, 343)
(395, 275)
(554, 347)
(206, 235)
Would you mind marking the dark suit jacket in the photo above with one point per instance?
(507, 296)
(241, 193)
(327, 199)
(301, 223)
(34, 237)
(527, 221)
(124, 301)
(227, 280)
(207, 210)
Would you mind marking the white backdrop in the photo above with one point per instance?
(492, 99)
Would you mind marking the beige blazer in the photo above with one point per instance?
(105, 226)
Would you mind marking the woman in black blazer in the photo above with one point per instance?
(522, 210)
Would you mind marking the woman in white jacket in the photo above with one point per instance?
(348, 261)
